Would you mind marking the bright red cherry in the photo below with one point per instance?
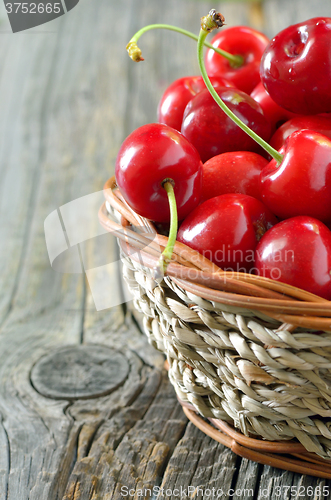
(318, 123)
(243, 41)
(297, 251)
(148, 157)
(274, 113)
(226, 230)
(212, 132)
(233, 172)
(301, 183)
(296, 67)
(175, 98)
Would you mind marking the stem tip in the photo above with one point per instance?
(134, 51)
(212, 21)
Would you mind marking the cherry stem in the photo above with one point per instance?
(201, 40)
(135, 53)
(165, 258)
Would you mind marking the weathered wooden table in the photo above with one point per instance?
(86, 410)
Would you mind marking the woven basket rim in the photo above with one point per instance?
(194, 273)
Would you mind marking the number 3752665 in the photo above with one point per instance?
(33, 8)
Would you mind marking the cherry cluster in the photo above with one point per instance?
(245, 150)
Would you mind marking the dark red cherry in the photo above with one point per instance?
(297, 251)
(301, 183)
(149, 156)
(272, 111)
(296, 67)
(175, 98)
(212, 132)
(226, 230)
(233, 172)
(243, 41)
(318, 123)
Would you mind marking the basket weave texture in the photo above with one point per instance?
(249, 351)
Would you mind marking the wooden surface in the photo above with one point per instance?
(78, 421)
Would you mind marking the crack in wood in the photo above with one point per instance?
(257, 482)
(86, 438)
(68, 462)
(236, 473)
(125, 435)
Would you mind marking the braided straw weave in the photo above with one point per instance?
(251, 352)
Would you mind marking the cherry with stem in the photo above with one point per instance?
(159, 174)
(165, 257)
(296, 169)
(168, 182)
(210, 22)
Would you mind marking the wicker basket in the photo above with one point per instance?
(250, 354)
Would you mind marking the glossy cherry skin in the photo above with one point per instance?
(296, 67)
(226, 230)
(297, 251)
(301, 184)
(147, 157)
(175, 98)
(243, 41)
(210, 130)
(274, 113)
(321, 124)
(233, 172)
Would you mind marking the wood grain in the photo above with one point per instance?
(69, 96)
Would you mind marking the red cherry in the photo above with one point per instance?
(274, 113)
(178, 94)
(233, 172)
(318, 123)
(238, 40)
(301, 183)
(296, 67)
(212, 132)
(226, 230)
(297, 251)
(150, 155)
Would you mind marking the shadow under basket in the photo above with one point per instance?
(249, 358)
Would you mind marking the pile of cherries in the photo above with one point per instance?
(258, 207)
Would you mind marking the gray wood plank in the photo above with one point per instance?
(45, 308)
(278, 14)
